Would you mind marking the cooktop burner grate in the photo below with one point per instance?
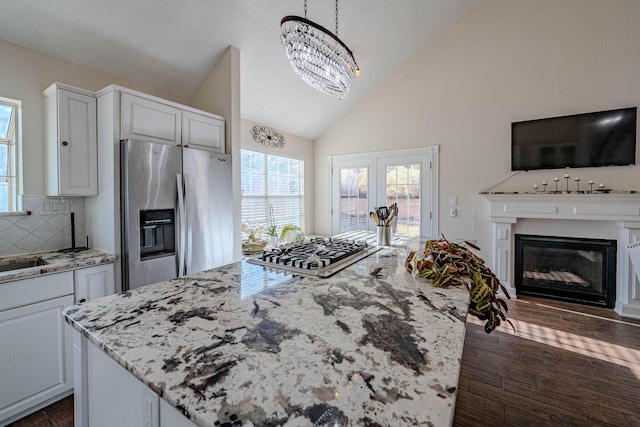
(320, 257)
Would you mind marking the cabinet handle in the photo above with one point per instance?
(83, 300)
(186, 146)
(65, 143)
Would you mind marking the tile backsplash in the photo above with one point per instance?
(47, 228)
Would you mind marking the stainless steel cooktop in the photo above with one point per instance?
(322, 257)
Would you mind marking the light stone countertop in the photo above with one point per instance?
(244, 345)
(55, 262)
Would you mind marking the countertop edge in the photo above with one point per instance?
(89, 258)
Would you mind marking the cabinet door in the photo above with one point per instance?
(202, 132)
(149, 120)
(72, 144)
(94, 282)
(36, 356)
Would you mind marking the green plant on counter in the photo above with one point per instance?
(271, 231)
(291, 227)
(446, 263)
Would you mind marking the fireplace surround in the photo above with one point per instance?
(567, 268)
(615, 216)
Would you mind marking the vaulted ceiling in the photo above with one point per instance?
(172, 45)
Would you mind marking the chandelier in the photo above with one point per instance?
(318, 56)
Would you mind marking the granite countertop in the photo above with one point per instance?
(245, 345)
(55, 262)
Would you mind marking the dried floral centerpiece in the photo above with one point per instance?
(447, 263)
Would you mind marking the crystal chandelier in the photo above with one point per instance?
(318, 56)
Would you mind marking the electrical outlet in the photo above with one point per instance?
(453, 212)
(55, 206)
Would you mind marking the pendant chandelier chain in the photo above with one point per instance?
(336, 18)
(305, 14)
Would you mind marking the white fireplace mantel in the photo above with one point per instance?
(569, 209)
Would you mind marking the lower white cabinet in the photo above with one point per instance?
(36, 359)
(108, 395)
(94, 282)
(36, 366)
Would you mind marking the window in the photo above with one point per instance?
(360, 182)
(8, 159)
(272, 189)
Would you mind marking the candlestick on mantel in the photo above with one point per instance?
(535, 187)
(591, 185)
(577, 180)
(556, 179)
(566, 177)
(544, 186)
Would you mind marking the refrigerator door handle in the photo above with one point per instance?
(182, 220)
(188, 194)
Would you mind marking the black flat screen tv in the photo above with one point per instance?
(604, 138)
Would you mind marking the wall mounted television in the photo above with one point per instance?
(604, 138)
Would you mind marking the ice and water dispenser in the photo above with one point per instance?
(157, 233)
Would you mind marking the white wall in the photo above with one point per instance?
(295, 147)
(24, 74)
(503, 61)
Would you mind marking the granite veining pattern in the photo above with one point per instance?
(245, 345)
(54, 262)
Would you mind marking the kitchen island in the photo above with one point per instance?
(247, 345)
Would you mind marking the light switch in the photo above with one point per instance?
(453, 202)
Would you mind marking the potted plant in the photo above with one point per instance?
(252, 241)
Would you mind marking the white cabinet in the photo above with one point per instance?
(94, 282)
(106, 394)
(71, 141)
(35, 352)
(202, 132)
(148, 120)
(152, 120)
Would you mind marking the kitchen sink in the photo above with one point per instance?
(20, 264)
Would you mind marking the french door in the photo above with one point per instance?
(405, 177)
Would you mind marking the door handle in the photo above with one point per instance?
(182, 223)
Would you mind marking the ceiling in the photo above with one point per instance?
(172, 45)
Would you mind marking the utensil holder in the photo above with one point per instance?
(383, 235)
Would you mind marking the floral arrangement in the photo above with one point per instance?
(446, 263)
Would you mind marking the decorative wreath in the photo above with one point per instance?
(266, 136)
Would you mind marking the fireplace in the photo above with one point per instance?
(567, 268)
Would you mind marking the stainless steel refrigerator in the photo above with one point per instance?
(177, 211)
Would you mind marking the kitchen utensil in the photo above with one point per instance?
(374, 218)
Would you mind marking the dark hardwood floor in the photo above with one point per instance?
(567, 364)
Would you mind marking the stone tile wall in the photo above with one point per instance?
(47, 228)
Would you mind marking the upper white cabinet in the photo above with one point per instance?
(203, 132)
(148, 120)
(71, 141)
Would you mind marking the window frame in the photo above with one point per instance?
(266, 196)
(13, 155)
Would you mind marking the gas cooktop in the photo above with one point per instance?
(322, 257)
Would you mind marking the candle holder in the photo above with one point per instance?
(556, 179)
(566, 177)
(577, 180)
(591, 185)
(535, 187)
(544, 186)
